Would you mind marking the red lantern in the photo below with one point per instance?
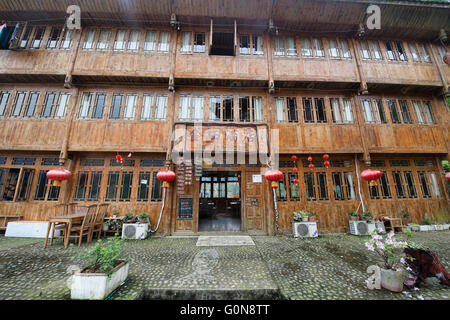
(447, 58)
(309, 159)
(274, 176)
(371, 175)
(119, 158)
(129, 155)
(294, 158)
(326, 163)
(295, 180)
(325, 156)
(447, 175)
(58, 175)
(294, 169)
(311, 166)
(165, 176)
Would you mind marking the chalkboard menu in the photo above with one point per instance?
(185, 208)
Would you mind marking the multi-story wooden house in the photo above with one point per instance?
(139, 77)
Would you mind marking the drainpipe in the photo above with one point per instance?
(359, 184)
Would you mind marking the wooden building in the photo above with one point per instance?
(307, 74)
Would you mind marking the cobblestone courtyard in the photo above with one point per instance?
(328, 267)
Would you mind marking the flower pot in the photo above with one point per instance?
(105, 227)
(143, 221)
(97, 286)
(354, 218)
(305, 219)
(392, 280)
(312, 218)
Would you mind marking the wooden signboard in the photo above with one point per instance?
(185, 207)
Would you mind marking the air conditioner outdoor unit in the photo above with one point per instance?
(137, 231)
(359, 228)
(380, 225)
(305, 229)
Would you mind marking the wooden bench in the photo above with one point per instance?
(5, 220)
(394, 224)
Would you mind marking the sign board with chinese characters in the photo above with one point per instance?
(185, 207)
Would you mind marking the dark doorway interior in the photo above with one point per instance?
(220, 201)
(222, 44)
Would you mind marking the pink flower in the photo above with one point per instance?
(402, 260)
(370, 246)
(380, 245)
(389, 241)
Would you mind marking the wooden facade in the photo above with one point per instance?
(128, 86)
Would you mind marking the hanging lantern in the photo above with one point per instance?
(309, 158)
(447, 175)
(325, 156)
(326, 163)
(294, 169)
(274, 176)
(165, 176)
(371, 175)
(58, 175)
(295, 180)
(294, 158)
(311, 166)
(119, 159)
(447, 58)
(129, 155)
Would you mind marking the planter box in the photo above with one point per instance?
(432, 227)
(446, 226)
(97, 286)
(438, 227)
(425, 228)
(413, 228)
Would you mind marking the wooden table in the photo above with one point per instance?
(69, 220)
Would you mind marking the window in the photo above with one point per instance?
(37, 38)
(364, 49)
(81, 185)
(184, 109)
(228, 109)
(53, 39)
(385, 189)
(143, 187)
(306, 48)
(428, 114)
(119, 43)
(133, 42)
(321, 116)
(412, 193)
(292, 109)
(116, 106)
(4, 97)
(25, 37)
(281, 190)
(293, 187)
(424, 186)
(257, 45)
(310, 187)
(338, 48)
(103, 39)
(373, 111)
(318, 47)
(405, 111)
(308, 110)
(395, 51)
(390, 51)
(62, 105)
(32, 102)
(424, 53)
(163, 44)
(223, 44)
(161, 107)
(244, 44)
(214, 108)
(375, 50)
(244, 108)
(314, 48)
(279, 110)
(414, 53)
(111, 187)
(150, 41)
(126, 186)
(338, 186)
(199, 42)
(435, 185)
(285, 46)
(156, 189)
(18, 104)
(322, 186)
(257, 109)
(418, 110)
(186, 42)
(89, 39)
(250, 110)
(86, 106)
(423, 112)
(314, 113)
(341, 110)
(147, 104)
(398, 180)
(97, 112)
(401, 51)
(395, 116)
(94, 186)
(67, 39)
(350, 185)
(130, 107)
(442, 51)
(50, 101)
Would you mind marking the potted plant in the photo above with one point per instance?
(130, 218)
(427, 225)
(353, 215)
(297, 216)
(393, 258)
(105, 226)
(367, 216)
(143, 218)
(103, 273)
(312, 216)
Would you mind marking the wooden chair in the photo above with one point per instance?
(102, 210)
(78, 231)
(63, 209)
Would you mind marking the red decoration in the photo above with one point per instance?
(273, 175)
(119, 159)
(325, 156)
(447, 58)
(326, 163)
(59, 174)
(295, 180)
(447, 175)
(294, 169)
(165, 176)
(129, 155)
(311, 166)
(294, 158)
(370, 174)
(309, 159)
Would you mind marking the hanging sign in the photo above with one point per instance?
(185, 208)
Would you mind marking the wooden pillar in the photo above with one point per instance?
(438, 65)
(363, 84)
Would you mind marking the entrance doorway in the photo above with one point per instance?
(220, 201)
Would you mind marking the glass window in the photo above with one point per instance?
(130, 108)
(156, 189)
(309, 187)
(81, 185)
(307, 110)
(41, 185)
(31, 107)
(20, 98)
(335, 110)
(395, 116)
(85, 105)
(125, 188)
(385, 189)
(89, 39)
(338, 187)
(401, 52)
(103, 39)
(54, 37)
(306, 48)
(119, 43)
(350, 185)
(67, 39)
(199, 42)
(347, 114)
(186, 41)
(62, 105)
(258, 45)
(379, 109)
(161, 106)
(97, 113)
(368, 116)
(412, 193)
(150, 41)
(147, 103)
(4, 97)
(423, 182)
(405, 111)
(197, 108)
(291, 49)
(398, 180)
(424, 53)
(292, 109)
(333, 48)
(183, 112)
(279, 46)
(257, 109)
(244, 109)
(48, 106)
(435, 185)
(116, 107)
(279, 110)
(143, 187)
(214, 108)
(163, 44)
(418, 111)
(26, 37)
(281, 190)
(365, 53)
(111, 187)
(322, 185)
(228, 109)
(375, 50)
(345, 49)
(390, 51)
(133, 42)
(318, 47)
(321, 115)
(428, 113)
(37, 39)
(244, 44)
(293, 187)
(414, 53)
(94, 186)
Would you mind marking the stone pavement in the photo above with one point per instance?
(328, 267)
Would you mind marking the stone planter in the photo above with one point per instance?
(97, 286)
(438, 227)
(414, 228)
(392, 280)
(446, 226)
(425, 228)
